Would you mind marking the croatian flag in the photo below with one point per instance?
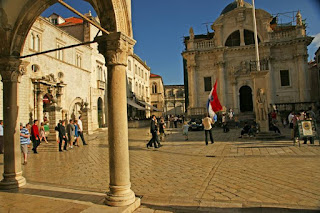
(213, 104)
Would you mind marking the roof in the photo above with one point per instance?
(71, 21)
(233, 6)
(154, 76)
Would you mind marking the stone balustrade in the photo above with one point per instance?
(285, 34)
(204, 44)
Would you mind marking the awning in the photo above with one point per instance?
(151, 107)
(134, 104)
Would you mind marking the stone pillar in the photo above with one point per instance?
(40, 94)
(235, 96)
(86, 121)
(242, 42)
(222, 84)
(192, 81)
(11, 73)
(54, 117)
(115, 48)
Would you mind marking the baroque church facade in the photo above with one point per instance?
(227, 56)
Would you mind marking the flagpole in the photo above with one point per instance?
(255, 36)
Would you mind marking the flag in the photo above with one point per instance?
(213, 104)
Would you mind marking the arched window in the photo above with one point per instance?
(35, 68)
(154, 88)
(136, 89)
(233, 39)
(37, 43)
(142, 90)
(139, 89)
(249, 37)
(33, 41)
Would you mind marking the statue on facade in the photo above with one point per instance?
(262, 107)
(240, 3)
(299, 18)
(191, 34)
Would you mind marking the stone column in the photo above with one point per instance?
(192, 80)
(242, 42)
(11, 73)
(86, 121)
(115, 48)
(235, 96)
(54, 117)
(40, 94)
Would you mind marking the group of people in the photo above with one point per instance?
(70, 134)
(174, 120)
(293, 119)
(155, 129)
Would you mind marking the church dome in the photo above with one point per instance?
(233, 6)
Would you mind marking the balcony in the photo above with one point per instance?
(204, 45)
(101, 84)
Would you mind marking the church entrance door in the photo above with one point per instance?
(246, 104)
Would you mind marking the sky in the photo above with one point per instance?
(159, 26)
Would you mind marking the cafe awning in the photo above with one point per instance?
(134, 104)
(151, 107)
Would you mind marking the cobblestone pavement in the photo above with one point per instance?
(185, 176)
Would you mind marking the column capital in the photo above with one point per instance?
(115, 47)
(11, 69)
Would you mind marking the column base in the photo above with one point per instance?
(12, 181)
(120, 196)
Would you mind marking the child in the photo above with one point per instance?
(185, 128)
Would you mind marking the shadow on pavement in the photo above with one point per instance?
(192, 209)
(96, 199)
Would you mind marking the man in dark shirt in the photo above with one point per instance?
(153, 131)
(62, 136)
(245, 129)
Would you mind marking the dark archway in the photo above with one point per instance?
(246, 104)
(100, 112)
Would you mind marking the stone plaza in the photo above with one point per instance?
(231, 175)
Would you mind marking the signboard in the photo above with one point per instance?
(307, 128)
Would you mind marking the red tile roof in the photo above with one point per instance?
(71, 21)
(154, 76)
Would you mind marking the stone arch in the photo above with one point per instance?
(233, 39)
(113, 15)
(77, 101)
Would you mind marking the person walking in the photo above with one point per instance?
(24, 141)
(76, 133)
(207, 122)
(153, 131)
(62, 136)
(185, 130)
(35, 137)
(162, 126)
(42, 133)
(80, 131)
(1, 137)
(70, 132)
(175, 121)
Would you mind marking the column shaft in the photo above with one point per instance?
(12, 176)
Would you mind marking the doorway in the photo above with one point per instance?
(100, 112)
(246, 104)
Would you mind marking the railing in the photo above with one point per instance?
(264, 65)
(197, 111)
(283, 34)
(101, 84)
(204, 44)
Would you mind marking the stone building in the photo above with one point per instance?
(314, 72)
(138, 88)
(66, 83)
(228, 56)
(174, 98)
(157, 95)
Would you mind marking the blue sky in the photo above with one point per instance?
(159, 26)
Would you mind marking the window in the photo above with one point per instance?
(207, 84)
(147, 93)
(59, 53)
(130, 84)
(249, 37)
(54, 21)
(155, 105)
(284, 77)
(154, 88)
(129, 65)
(35, 68)
(318, 59)
(142, 90)
(35, 42)
(136, 88)
(146, 78)
(233, 39)
(78, 60)
(100, 74)
(136, 69)
(139, 89)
